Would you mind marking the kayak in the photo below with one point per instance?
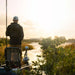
(13, 61)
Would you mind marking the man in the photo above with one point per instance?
(15, 32)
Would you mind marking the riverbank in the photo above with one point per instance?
(26, 44)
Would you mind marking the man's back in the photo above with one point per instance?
(15, 32)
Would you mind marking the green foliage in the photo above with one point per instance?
(3, 41)
(2, 48)
(57, 61)
(48, 42)
(2, 59)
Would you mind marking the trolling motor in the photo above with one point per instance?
(26, 59)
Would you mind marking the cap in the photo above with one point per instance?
(15, 18)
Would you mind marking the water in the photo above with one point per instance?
(64, 44)
(32, 54)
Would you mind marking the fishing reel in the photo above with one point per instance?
(26, 59)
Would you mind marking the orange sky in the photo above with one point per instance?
(41, 18)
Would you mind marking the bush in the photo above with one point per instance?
(57, 61)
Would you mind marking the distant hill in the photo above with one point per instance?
(68, 42)
(32, 40)
(71, 41)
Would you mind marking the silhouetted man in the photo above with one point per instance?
(15, 32)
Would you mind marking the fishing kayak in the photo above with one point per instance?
(13, 61)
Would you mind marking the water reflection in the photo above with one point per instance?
(32, 54)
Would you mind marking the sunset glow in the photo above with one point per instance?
(41, 18)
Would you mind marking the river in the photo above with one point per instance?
(32, 54)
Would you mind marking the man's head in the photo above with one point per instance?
(15, 19)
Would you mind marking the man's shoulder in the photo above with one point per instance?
(9, 26)
(19, 26)
(15, 25)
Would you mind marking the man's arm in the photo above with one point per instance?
(21, 33)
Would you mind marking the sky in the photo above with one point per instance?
(40, 18)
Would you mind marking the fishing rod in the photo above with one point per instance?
(6, 22)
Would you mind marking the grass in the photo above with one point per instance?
(2, 58)
(2, 49)
(26, 44)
